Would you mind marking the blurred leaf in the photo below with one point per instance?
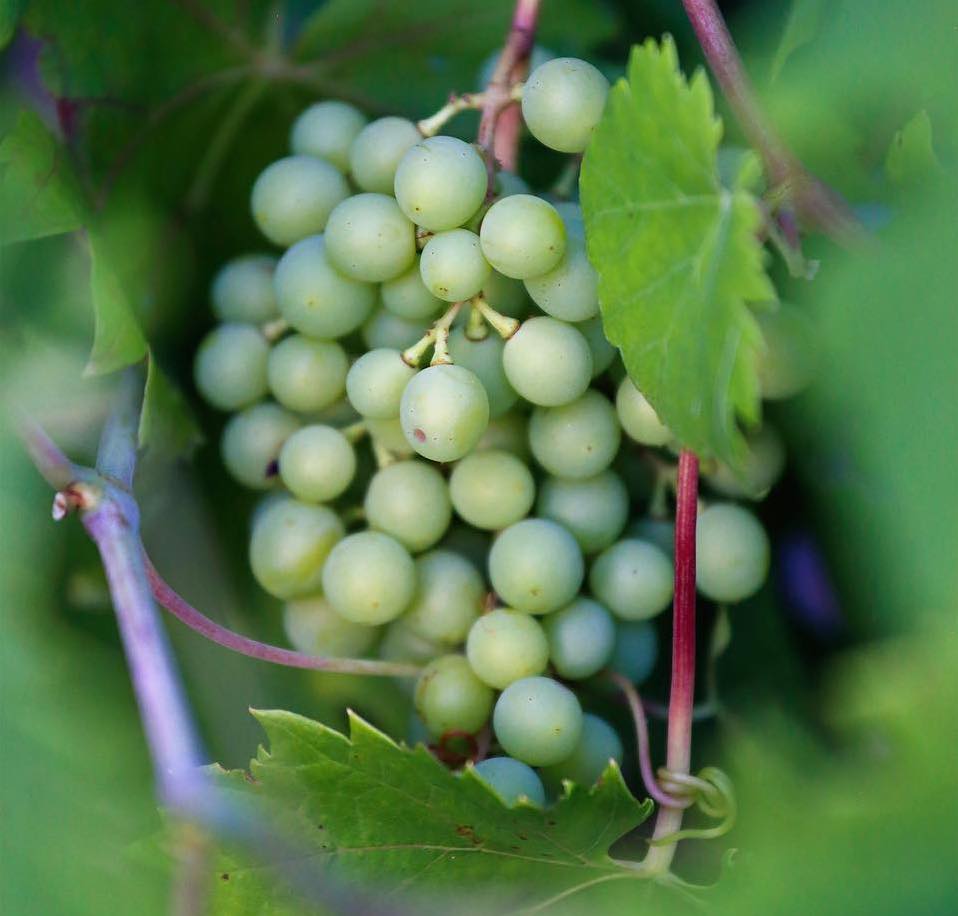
(803, 24)
(10, 11)
(167, 424)
(677, 254)
(911, 157)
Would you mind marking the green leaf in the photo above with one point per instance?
(368, 809)
(39, 195)
(804, 23)
(677, 254)
(167, 424)
(10, 11)
(911, 157)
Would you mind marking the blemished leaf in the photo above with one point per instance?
(367, 809)
(911, 158)
(167, 424)
(677, 254)
(803, 24)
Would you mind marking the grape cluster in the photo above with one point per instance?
(422, 381)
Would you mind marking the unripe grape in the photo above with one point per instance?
(576, 440)
(732, 553)
(290, 543)
(764, 464)
(522, 236)
(470, 543)
(506, 296)
(452, 265)
(327, 130)
(376, 381)
(410, 501)
(242, 290)
(593, 509)
(547, 361)
(305, 374)
(562, 101)
(581, 637)
(491, 489)
(599, 743)
(570, 291)
(314, 628)
(400, 643)
(407, 297)
(633, 578)
(536, 566)
(537, 721)
(230, 366)
(315, 298)
(317, 463)
(509, 433)
(638, 416)
(448, 599)
(636, 650)
(386, 331)
(444, 411)
(484, 358)
(377, 151)
(786, 365)
(449, 697)
(506, 645)
(512, 780)
(389, 435)
(293, 198)
(369, 578)
(440, 182)
(603, 353)
(252, 440)
(369, 238)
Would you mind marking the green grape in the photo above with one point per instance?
(636, 650)
(317, 463)
(509, 183)
(484, 358)
(547, 361)
(293, 198)
(369, 578)
(522, 236)
(470, 543)
(658, 531)
(593, 509)
(787, 363)
(570, 291)
(369, 238)
(448, 598)
(603, 353)
(291, 541)
(440, 182)
(505, 295)
(230, 366)
(377, 151)
(537, 721)
(327, 130)
(252, 440)
(452, 265)
(376, 381)
(410, 501)
(444, 411)
(572, 218)
(305, 374)
(315, 298)
(339, 413)
(389, 435)
(491, 489)
(597, 745)
(314, 628)
(581, 637)
(386, 331)
(562, 101)
(764, 464)
(508, 433)
(575, 440)
(732, 553)
(638, 416)
(536, 566)
(450, 698)
(506, 645)
(242, 290)
(401, 644)
(406, 296)
(633, 578)
(512, 780)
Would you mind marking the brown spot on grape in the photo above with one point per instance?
(419, 434)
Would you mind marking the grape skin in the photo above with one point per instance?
(638, 416)
(763, 466)
(491, 489)
(537, 721)
(603, 353)
(448, 599)
(377, 151)
(506, 645)
(400, 643)
(522, 236)
(452, 265)
(576, 440)
(594, 509)
(242, 290)
(307, 375)
(389, 434)
(512, 780)
(484, 358)
(633, 578)
(449, 697)
(252, 440)
(384, 330)
(598, 744)
(230, 366)
(508, 433)
(636, 650)
(368, 238)
(317, 463)
(327, 130)
(406, 296)
(410, 501)
(376, 381)
(581, 638)
(570, 290)
(314, 628)
(732, 553)
(548, 362)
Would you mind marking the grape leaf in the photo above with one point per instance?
(677, 254)
(911, 156)
(803, 24)
(366, 809)
(166, 422)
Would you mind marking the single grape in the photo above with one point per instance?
(764, 464)
(562, 101)
(506, 296)
(327, 130)
(242, 290)
(636, 650)
(522, 236)
(512, 780)
(599, 743)
(787, 364)
(732, 553)
(317, 463)
(293, 198)
(575, 440)
(230, 366)
(509, 433)
(603, 353)
(376, 381)
(389, 435)
(536, 566)
(444, 411)
(315, 298)
(387, 331)
(290, 543)
(377, 150)
(440, 182)
(581, 637)
(638, 416)
(406, 296)
(410, 501)
(491, 489)
(570, 291)
(448, 599)
(547, 361)
(369, 238)
(633, 578)
(452, 265)
(506, 645)
(369, 578)
(314, 628)
(401, 644)
(252, 440)
(449, 697)
(305, 374)
(537, 721)
(484, 358)
(593, 509)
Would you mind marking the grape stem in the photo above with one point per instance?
(503, 325)
(468, 101)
